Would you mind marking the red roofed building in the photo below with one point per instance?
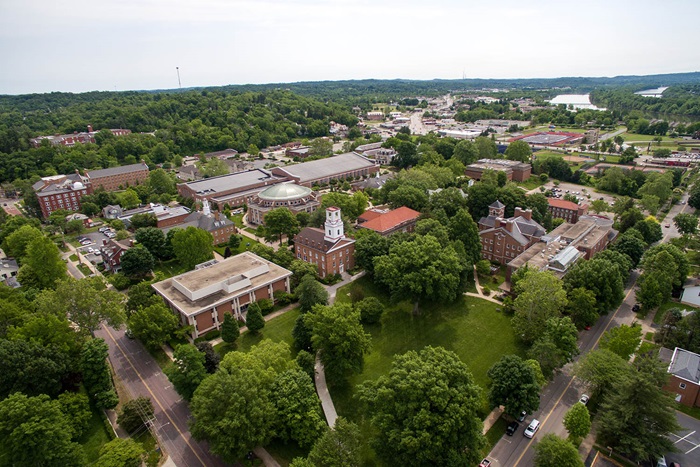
(402, 219)
(329, 249)
(567, 210)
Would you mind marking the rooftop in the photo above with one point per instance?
(498, 164)
(390, 220)
(686, 365)
(563, 204)
(220, 281)
(329, 167)
(284, 191)
(116, 170)
(230, 181)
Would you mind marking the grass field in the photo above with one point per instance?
(278, 330)
(659, 316)
(646, 138)
(169, 268)
(94, 437)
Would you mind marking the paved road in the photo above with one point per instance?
(687, 441)
(142, 376)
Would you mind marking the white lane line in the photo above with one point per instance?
(696, 446)
(683, 438)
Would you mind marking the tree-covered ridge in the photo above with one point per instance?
(678, 102)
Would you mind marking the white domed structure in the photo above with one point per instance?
(294, 197)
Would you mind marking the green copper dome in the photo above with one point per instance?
(284, 192)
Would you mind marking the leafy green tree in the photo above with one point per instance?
(486, 147)
(234, 241)
(421, 269)
(135, 413)
(310, 292)
(15, 245)
(599, 369)
(306, 362)
(540, 296)
(153, 239)
(409, 196)
(154, 324)
(229, 329)
(650, 229)
(582, 307)
(321, 147)
(369, 245)
(160, 182)
(599, 206)
(539, 377)
(187, 371)
(687, 224)
(421, 423)
(577, 421)
(339, 337)
(48, 330)
(463, 228)
(211, 357)
(552, 451)
(34, 431)
(129, 199)
(631, 245)
(281, 221)
(622, 340)
(371, 310)
(339, 446)
(302, 333)
(193, 246)
(213, 167)
(466, 152)
(87, 302)
(139, 221)
(298, 408)
(96, 374)
(233, 408)
(638, 397)
(519, 151)
(141, 295)
(42, 265)
(602, 277)
(31, 368)
(254, 320)
(137, 262)
(120, 453)
(76, 407)
(514, 385)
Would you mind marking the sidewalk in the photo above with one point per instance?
(492, 418)
(323, 394)
(479, 293)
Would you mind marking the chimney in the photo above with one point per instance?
(216, 215)
(526, 213)
(509, 226)
(104, 242)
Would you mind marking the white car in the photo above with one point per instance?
(90, 250)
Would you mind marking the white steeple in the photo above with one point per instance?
(206, 210)
(334, 229)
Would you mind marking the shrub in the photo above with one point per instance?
(486, 290)
(370, 309)
(135, 413)
(120, 281)
(265, 305)
(211, 335)
(283, 298)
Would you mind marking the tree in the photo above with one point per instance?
(211, 356)
(338, 446)
(631, 245)
(137, 262)
(622, 340)
(321, 147)
(310, 292)
(120, 453)
(135, 413)
(160, 182)
(422, 423)
(369, 245)
(486, 147)
(463, 228)
(281, 221)
(552, 451)
(577, 421)
(556, 345)
(229, 329)
(602, 277)
(298, 408)
(187, 371)
(599, 369)
(254, 320)
(466, 152)
(371, 310)
(31, 368)
(599, 206)
(193, 246)
(582, 307)
(519, 150)
(232, 408)
(153, 325)
(339, 337)
(514, 385)
(15, 245)
(302, 333)
(140, 221)
(129, 199)
(141, 295)
(421, 269)
(76, 407)
(96, 375)
(540, 296)
(214, 167)
(153, 239)
(42, 265)
(34, 431)
(687, 224)
(409, 196)
(638, 397)
(87, 302)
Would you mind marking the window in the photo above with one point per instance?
(682, 385)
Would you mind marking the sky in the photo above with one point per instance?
(107, 45)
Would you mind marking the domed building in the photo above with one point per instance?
(294, 197)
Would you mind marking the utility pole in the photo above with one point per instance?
(178, 77)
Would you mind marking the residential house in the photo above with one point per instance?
(112, 251)
(684, 380)
(329, 249)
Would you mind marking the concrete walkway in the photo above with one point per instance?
(479, 293)
(492, 418)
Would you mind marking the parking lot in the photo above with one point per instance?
(686, 442)
(92, 242)
(583, 192)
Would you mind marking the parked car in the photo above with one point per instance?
(522, 416)
(512, 428)
(485, 463)
(532, 428)
(584, 399)
(636, 307)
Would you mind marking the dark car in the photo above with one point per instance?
(522, 416)
(512, 428)
(636, 307)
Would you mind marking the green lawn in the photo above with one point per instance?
(659, 316)
(73, 257)
(169, 268)
(278, 329)
(94, 437)
(470, 327)
(494, 435)
(646, 138)
(531, 183)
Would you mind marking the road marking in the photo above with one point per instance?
(187, 441)
(683, 438)
(696, 446)
(573, 378)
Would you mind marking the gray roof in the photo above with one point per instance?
(227, 182)
(329, 167)
(516, 234)
(565, 258)
(284, 191)
(200, 220)
(685, 365)
(117, 170)
(497, 204)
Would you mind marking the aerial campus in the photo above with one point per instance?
(362, 272)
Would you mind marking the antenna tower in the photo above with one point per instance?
(178, 77)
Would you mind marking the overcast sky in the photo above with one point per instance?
(79, 45)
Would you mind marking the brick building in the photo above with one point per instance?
(517, 171)
(201, 297)
(233, 189)
(329, 249)
(386, 223)
(72, 139)
(684, 380)
(294, 197)
(118, 178)
(504, 239)
(567, 210)
(112, 251)
(341, 167)
(61, 192)
(220, 227)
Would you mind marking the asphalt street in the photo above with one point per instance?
(142, 376)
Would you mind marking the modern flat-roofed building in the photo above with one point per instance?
(118, 178)
(329, 249)
(202, 297)
(567, 210)
(518, 171)
(346, 166)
